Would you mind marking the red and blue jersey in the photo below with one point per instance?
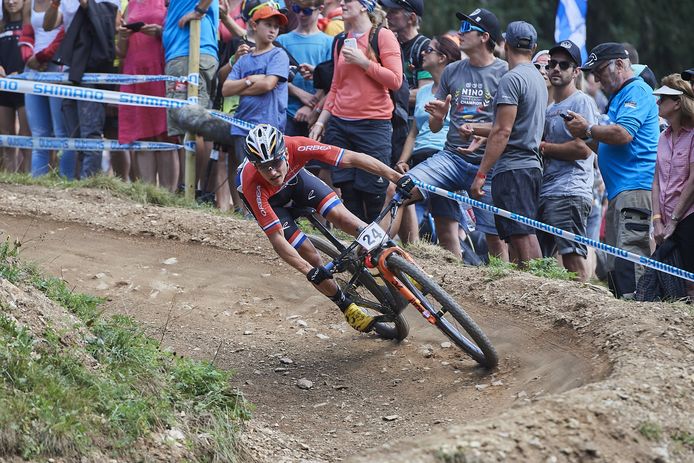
(257, 191)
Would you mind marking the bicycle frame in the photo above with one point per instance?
(373, 260)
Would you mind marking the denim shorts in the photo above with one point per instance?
(570, 213)
(451, 172)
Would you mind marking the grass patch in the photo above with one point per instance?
(53, 403)
(684, 438)
(549, 267)
(651, 431)
(498, 268)
(144, 193)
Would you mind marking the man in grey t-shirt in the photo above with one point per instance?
(566, 196)
(465, 93)
(513, 145)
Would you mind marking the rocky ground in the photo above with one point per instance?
(582, 377)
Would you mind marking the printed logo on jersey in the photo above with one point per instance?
(313, 148)
(259, 200)
(311, 194)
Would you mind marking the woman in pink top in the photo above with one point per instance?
(673, 183)
(142, 53)
(357, 111)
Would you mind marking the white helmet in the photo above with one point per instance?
(264, 143)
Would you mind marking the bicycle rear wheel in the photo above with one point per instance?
(366, 292)
(451, 319)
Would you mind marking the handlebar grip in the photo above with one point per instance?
(329, 266)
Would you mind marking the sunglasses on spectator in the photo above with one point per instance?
(466, 26)
(431, 49)
(668, 97)
(307, 11)
(563, 65)
(275, 164)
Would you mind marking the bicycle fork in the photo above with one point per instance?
(393, 280)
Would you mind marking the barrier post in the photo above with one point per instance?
(193, 69)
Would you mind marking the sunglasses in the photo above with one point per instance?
(466, 26)
(308, 11)
(668, 97)
(267, 166)
(563, 65)
(430, 49)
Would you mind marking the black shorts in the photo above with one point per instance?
(304, 190)
(11, 100)
(570, 213)
(517, 191)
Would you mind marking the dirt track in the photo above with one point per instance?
(211, 287)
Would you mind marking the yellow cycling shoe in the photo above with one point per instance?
(358, 318)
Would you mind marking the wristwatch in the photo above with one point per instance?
(248, 83)
(589, 132)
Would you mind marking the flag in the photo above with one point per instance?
(570, 23)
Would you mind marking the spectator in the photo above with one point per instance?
(465, 95)
(566, 195)
(331, 21)
(673, 183)
(88, 46)
(594, 89)
(513, 146)
(688, 74)
(176, 40)
(404, 19)
(626, 156)
(309, 46)
(260, 77)
(143, 54)
(540, 61)
(12, 104)
(359, 107)
(422, 143)
(44, 114)
(640, 70)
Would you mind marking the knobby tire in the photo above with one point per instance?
(480, 348)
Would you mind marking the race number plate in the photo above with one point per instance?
(371, 237)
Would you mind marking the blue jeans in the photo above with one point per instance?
(85, 119)
(46, 120)
(451, 172)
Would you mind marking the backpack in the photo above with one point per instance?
(323, 78)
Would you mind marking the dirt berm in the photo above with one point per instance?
(582, 377)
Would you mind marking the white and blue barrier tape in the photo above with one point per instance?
(105, 96)
(81, 144)
(105, 79)
(621, 253)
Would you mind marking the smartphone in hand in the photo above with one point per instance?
(565, 116)
(135, 27)
(350, 43)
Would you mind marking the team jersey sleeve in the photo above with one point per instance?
(632, 108)
(257, 198)
(304, 149)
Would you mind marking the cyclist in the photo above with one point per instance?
(273, 178)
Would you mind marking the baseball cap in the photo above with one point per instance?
(604, 52)
(665, 90)
(688, 74)
(415, 6)
(569, 47)
(520, 34)
(483, 19)
(266, 12)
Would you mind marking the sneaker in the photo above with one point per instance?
(358, 318)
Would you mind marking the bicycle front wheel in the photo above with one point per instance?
(366, 292)
(451, 319)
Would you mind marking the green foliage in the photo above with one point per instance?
(548, 267)
(651, 431)
(55, 401)
(497, 268)
(685, 438)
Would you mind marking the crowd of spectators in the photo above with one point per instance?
(587, 145)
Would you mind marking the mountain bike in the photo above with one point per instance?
(383, 278)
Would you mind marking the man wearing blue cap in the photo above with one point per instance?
(626, 156)
(512, 156)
